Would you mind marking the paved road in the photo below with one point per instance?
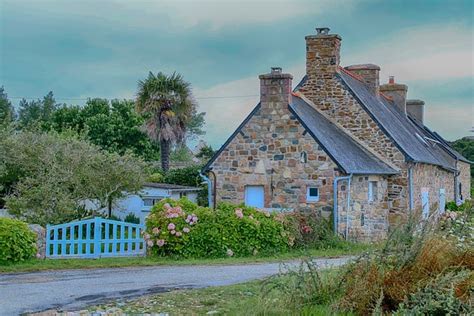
(76, 289)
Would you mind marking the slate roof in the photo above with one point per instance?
(350, 156)
(172, 187)
(406, 135)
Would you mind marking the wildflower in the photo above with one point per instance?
(186, 230)
(149, 243)
(179, 234)
(173, 232)
(306, 229)
(171, 226)
(38, 255)
(239, 213)
(156, 230)
(230, 253)
(160, 242)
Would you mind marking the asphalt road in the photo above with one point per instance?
(75, 289)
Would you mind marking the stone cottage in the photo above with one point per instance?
(340, 143)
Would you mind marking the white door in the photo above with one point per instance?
(442, 200)
(425, 202)
(254, 196)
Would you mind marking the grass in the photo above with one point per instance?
(60, 264)
(250, 298)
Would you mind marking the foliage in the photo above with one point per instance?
(51, 175)
(206, 152)
(114, 126)
(411, 260)
(458, 226)
(181, 153)
(131, 218)
(17, 241)
(36, 113)
(310, 229)
(188, 176)
(465, 146)
(181, 228)
(7, 112)
(156, 177)
(168, 104)
(438, 297)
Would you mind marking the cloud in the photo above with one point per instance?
(428, 52)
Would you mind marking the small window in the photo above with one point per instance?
(312, 194)
(148, 202)
(303, 157)
(182, 194)
(372, 191)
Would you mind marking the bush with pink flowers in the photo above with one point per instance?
(183, 229)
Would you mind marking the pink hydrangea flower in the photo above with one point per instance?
(149, 243)
(186, 230)
(171, 226)
(146, 236)
(160, 242)
(179, 234)
(38, 255)
(166, 206)
(156, 230)
(230, 253)
(173, 232)
(239, 213)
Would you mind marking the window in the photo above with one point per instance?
(312, 194)
(182, 194)
(303, 157)
(149, 202)
(372, 191)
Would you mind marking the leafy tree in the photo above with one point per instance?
(7, 112)
(206, 152)
(37, 113)
(465, 146)
(114, 126)
(168, 104)
(52, 175)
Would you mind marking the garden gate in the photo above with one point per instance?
(94, 238)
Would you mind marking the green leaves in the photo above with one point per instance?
(17, 241)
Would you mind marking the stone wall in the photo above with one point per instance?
(465, 179)
(332, 97)
(368, 220)
(433, 178)
(40, 240)
(268, 152)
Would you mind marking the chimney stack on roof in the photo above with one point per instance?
(275, 88)
(322, 53)
(396, 91)
(416, 110)
(370, 74)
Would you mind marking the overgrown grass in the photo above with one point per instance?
(58, 264)
(250, 298)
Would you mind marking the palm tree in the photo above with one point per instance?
(168, 104)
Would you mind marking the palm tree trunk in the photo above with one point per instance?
(165, 155)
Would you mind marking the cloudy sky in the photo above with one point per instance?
(88, 48)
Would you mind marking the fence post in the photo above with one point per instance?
(97, 236)
(48, 241)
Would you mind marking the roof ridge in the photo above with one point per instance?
(353, 75)
(347, 132)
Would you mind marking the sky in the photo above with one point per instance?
(85, 49)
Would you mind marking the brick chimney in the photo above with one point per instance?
(275, 89)
(370, 74)
(398, 93)
(322, 53)
(416, 109)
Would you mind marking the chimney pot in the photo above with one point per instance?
(276, 70)
(322, 30)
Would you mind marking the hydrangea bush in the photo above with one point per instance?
(181, 228)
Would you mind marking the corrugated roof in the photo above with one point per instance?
(342, 148)
(408, 137)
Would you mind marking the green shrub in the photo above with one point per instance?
(132, 218)
(181, 228)
(17, 241)
(311, 230)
